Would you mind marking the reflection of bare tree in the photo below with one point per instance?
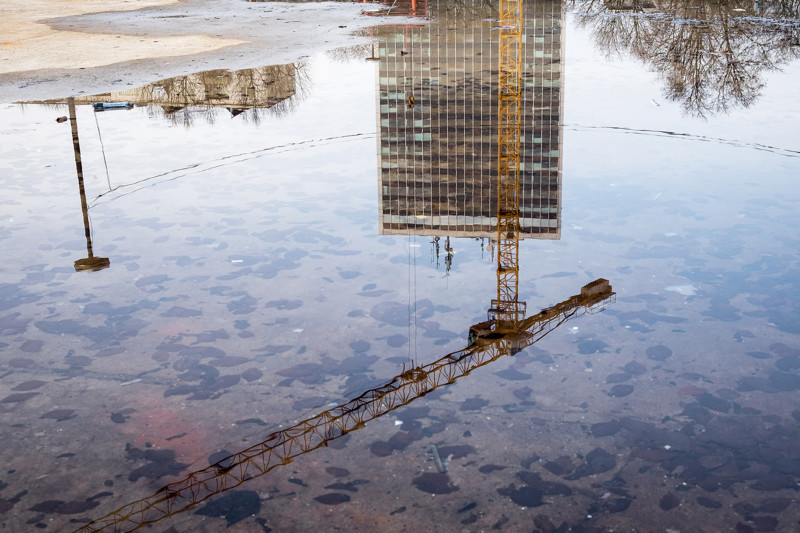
(711, 54)
(464, 10)
(350, 53)
(252, 93)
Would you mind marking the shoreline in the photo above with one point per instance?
(159, 39)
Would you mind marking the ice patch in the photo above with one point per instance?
(686, 290)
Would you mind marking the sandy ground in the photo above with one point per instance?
(59, 48)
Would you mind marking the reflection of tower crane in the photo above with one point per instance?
(505, 333)
(281, 447)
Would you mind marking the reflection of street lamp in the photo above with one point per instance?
(90, 263)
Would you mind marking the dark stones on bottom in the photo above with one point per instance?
(234, 506)
(434, 483)
(333, 498)
(668, 501)
(524, 496)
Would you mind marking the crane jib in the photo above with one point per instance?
(281, 447)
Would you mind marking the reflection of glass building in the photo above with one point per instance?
(437, 99)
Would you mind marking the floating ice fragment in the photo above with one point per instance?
(298, 330)
(398, 422)
(685, 290)
(131, 382)
(237, 260)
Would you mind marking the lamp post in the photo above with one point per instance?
(90, 263)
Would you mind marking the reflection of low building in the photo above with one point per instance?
(255, 88)
(631, 6)
(438, 125)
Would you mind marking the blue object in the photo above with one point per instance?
(101, 106)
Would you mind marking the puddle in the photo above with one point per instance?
(283, 281)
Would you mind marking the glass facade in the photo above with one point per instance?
(438, 126)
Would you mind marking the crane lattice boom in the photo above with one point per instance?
(281, 447)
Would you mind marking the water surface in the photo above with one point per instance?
(283, 239)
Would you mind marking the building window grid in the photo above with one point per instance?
(456, 117)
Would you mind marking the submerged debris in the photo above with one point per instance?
(437, 460)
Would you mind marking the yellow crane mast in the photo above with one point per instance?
(281, 447)
(507, 310)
